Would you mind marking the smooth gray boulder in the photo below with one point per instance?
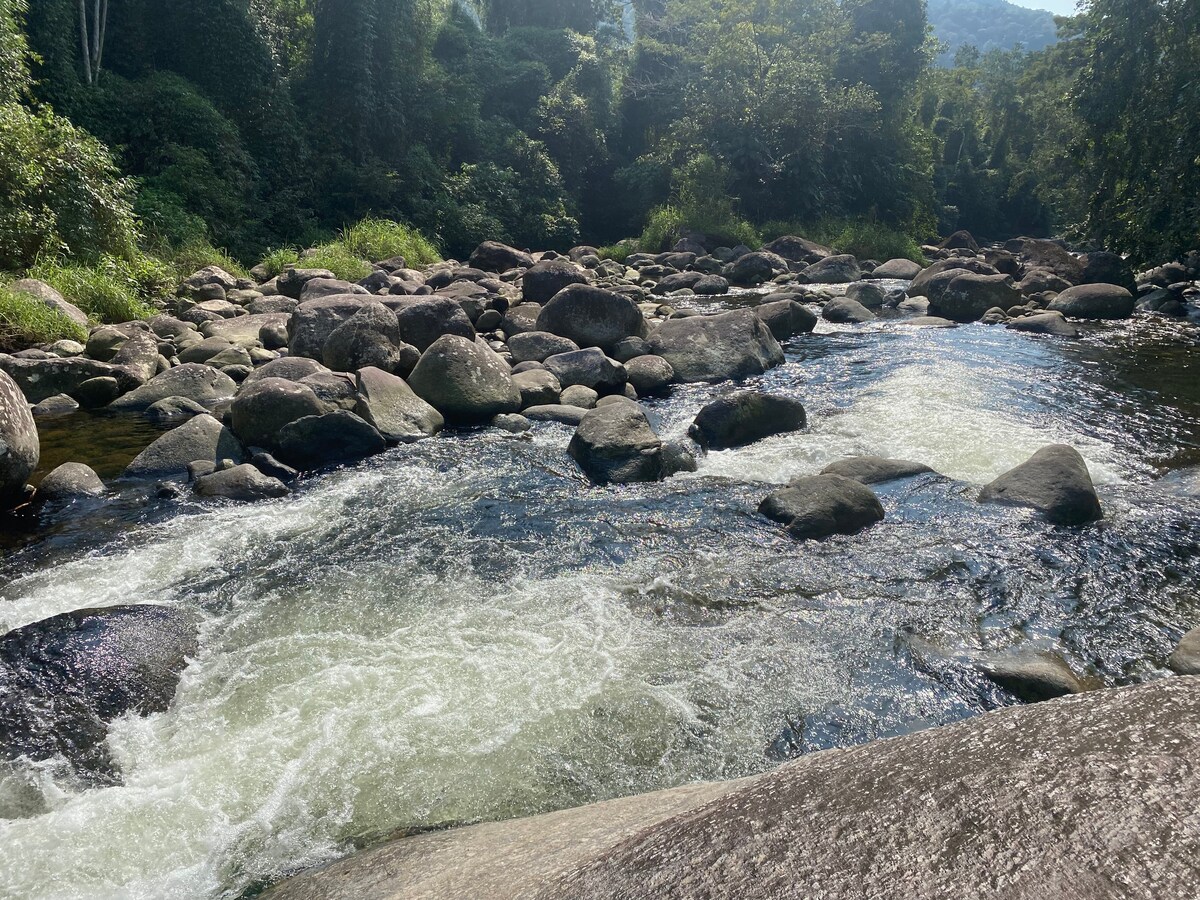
(745, 417)
(200, 438)
(867, 293)
(1185, 658)
(798, 249)
(194, 381)
(1052, 323)
(555, 412)
(493, 256)
(875, 469)
(20, 448)
(50, 298)
(64, 679)
(290, 282)
(899, 269)
(649, 374)
(422, 320)
(370, 337)
(756, 268)
(724, 347)
(465, 381)
(817, 506)
(245, 330)
(1033, 676)
(289, 368)
(844, 311)
(786, 318)
(538, 387)
(615, 444)
(314, 320)
(173, 409)
(337, 437)
(537, 346)
(591, 316)
(589, 368)
(840, 269)
(923, 283)
(40, 379)
(1095, 301)
(1055, 481)
(970, 295)
(262, 408)
(68, 482)
(58, 405)
(244, 483)
(388, 403)
(545, 279)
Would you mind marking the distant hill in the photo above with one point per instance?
(989, 25)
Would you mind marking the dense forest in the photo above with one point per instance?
(140, 131)
(988, 25)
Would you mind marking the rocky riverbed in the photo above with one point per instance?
(491, 539)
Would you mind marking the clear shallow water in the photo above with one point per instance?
(465, 630)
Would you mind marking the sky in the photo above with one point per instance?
(1058, 7)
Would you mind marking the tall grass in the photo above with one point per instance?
(111, 290)
(338, 259)
(667, 224)
(277, 260)
(379, 239)
(196, 255)
(862, 238)
(26, 320)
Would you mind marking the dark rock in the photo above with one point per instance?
(615, 444)
(62, 680)
(545, 279)
(710, 286)
(629, 348)
(537, 388)
(423, 320)
(756, 268)
(270, 466)
(537, 346)
(19, 445)
(555, 412)
(1055, 481)
(590, 368)
(174, 409)
(1042, 254)
(313, 321)
(58, 405)
(316, 288)
(388, 403)
(1095, 301)
(786, 318)
(680, 281)
(867, 293)
(843, 310)
(465, 381)
(243, 483)
(745, 417)
(193, 381)
(960, 240)
(818, 506)
(797, 249)
(581, 396)
(262, 408)
(42, 378)
(202, 437)
(969, 296)
(1034, 676)
(492, 256)
(875, 469)
(591, 316)
(1038, 281)
(370, 337)
(1044, 323)
(841, 269)
(728, 346)
(69, 481)
(337, 437)
(922, 285)
(649, 374)
(290, 282)
(95, 393)
(520, 319)
(289, 368)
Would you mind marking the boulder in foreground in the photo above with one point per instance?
(1024, 803)
(465, 381)
(1094, 301)
(817, 506)
(728, 346)
(20, 448)
(614, 444)
(745, 417)
(1055, 481)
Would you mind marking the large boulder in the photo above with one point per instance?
(869, 294)
(289, 368)
(537, 346)
(201, 383)
(538, 387)
(50, 298)
(1044, 323)
(875, 469)
(590, 368)
(1087, 796)
(1037, 253)
(745, 417)
(841, 269)
(591, 316)
(797, 249)
(19, 445)
(262, 408)
(727, 346)
(68, 482)
(817, 506)
(786, 318)
(388, 403)
(544, 280)
(1095, 301)
(64, 679)
(970, 295)
(1185, 658)
(1055, 481)
(40, 379)
(649, 374)
(465, 381)
(899, 269)
(370, 337)
(337, 437)
(756, 268)
(960, 240)
(138, 357)
(291, 282)
(1104, 267)
(314, 320)
(422, 320)
(922, 283)
(245, 330)
(614, 444)
(845, 311)
(199, 438)
(492, 256)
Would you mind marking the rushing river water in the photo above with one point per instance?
(464, 629)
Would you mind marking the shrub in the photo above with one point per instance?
(277, 260)
(379, 239)
(25, 321)
(864, 239)
(618, 252)
(112, 290)
(667, 224)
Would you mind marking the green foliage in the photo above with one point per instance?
(667, 224)
(277, 260)
(618, 252)
(861, 237)
(14, 53)
(338, 259)
(110, 289)
(380, 239)
(26, 321)
(193, 256)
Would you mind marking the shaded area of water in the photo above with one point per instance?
(464, 629)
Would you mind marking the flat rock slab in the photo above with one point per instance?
(1091, 796)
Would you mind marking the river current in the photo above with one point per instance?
(465, 630)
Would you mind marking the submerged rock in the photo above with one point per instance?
(745, 417)
(728, 346)
(1033, 676)
(875, 469)
(20, 448)
(62, 680)
(614, 444)
(1055, 481)
(817, 506)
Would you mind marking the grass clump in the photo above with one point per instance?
(111, 290)
(380, 239)
(667, 224)
(26, 321)
(618, 252)
(863, 238)
(195, 255)
(277, 260)
(338, 259)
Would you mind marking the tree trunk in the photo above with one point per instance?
(83, 39)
